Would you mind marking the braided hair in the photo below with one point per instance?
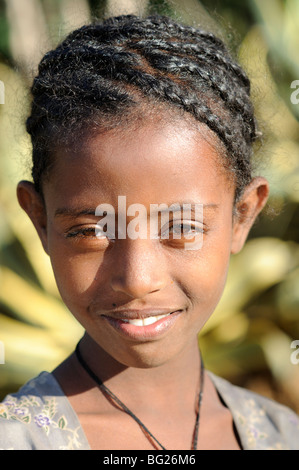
(102, 72)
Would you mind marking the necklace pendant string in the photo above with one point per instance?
(110, 395)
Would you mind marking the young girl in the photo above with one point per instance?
(151, 113)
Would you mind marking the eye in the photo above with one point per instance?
(87, 232)
(182, 230)
(186, 229)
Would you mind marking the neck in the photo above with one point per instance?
(178, 378)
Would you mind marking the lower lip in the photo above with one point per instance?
(144, 332)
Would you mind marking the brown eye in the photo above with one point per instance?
(88, 238)
(88, 232)
(186, 229)
(182, 231)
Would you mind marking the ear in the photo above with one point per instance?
(248, 207)
(32, 203)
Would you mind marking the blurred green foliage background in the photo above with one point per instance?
(248, 340)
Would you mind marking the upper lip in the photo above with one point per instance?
(131, 314)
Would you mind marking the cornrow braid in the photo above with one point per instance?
(101, 72)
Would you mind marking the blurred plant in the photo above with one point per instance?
(248, 338)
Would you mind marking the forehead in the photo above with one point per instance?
(152, 160)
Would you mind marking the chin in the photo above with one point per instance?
(145, 356)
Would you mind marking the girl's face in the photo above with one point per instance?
(109, 285)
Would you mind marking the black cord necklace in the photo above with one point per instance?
(110, 395)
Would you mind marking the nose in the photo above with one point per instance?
(140, 268)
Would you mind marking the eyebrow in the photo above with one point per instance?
(179, 206)
(73, 213)
(79, 212)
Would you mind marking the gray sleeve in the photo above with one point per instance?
(15, 435)
(40, 417)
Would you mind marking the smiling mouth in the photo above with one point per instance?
(143, 325)
(145, 321)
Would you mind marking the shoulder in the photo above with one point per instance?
(262, 423)
(39, 417)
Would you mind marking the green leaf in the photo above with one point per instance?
(62, 423)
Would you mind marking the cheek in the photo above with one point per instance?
(75, 274)
(207, 274)
(212, 277)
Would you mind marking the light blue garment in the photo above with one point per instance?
(40, 417)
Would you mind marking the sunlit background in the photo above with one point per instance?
(248, 340)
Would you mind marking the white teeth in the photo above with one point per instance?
(136, 321)
(150, 320)
(146, 321)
